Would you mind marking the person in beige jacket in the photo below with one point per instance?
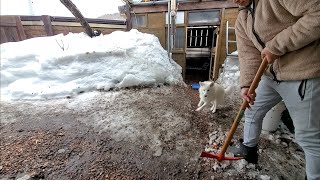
(287, 34)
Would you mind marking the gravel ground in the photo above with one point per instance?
(136, 133)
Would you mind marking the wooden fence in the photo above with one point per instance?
(18, 28)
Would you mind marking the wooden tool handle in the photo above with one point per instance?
(256, 81)
(244, 105)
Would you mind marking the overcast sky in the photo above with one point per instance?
(90, 9)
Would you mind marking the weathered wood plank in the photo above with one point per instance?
(206, 5)
(216, 64)
(149, 9)
(32, 23)
(74, 24)
(128, 20)
(180, 58)
(113, 26)
(77, 29)
(3, 36)
(220, 48)
(34, 31)
(11, 34)
(47, 25)
(185, 6)
(7, 21)
(20, 29)
(72, 19)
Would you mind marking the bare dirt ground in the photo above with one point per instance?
(136, 133)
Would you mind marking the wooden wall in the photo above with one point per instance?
(156, 26)
(179, 56)
(17, 28)
(11, 29)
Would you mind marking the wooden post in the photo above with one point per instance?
(173, 13)
(128, 14)
(219, 51)
(47, 25)
(75, 11)
(3, 36)
(126, 9)
(20, 30)
(215, 72)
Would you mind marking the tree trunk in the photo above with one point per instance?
(75, 11)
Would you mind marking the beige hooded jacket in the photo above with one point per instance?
(289, 29)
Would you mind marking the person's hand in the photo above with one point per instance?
(265, 53)
(250, 98)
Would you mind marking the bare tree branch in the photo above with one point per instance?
(75, 11)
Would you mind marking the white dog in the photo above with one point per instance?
(211, 93)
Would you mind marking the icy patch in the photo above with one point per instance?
(264, 177)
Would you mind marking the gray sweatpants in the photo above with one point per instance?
(302, 99)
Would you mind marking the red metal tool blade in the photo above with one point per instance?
(219, 157)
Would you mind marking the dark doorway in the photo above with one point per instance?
(199, 54)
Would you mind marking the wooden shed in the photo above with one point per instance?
(196, 33)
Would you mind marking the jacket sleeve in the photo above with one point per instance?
(249, 55)
(303, 32)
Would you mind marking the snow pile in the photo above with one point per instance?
(60, 66)
(281, 136)
(230, 74)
